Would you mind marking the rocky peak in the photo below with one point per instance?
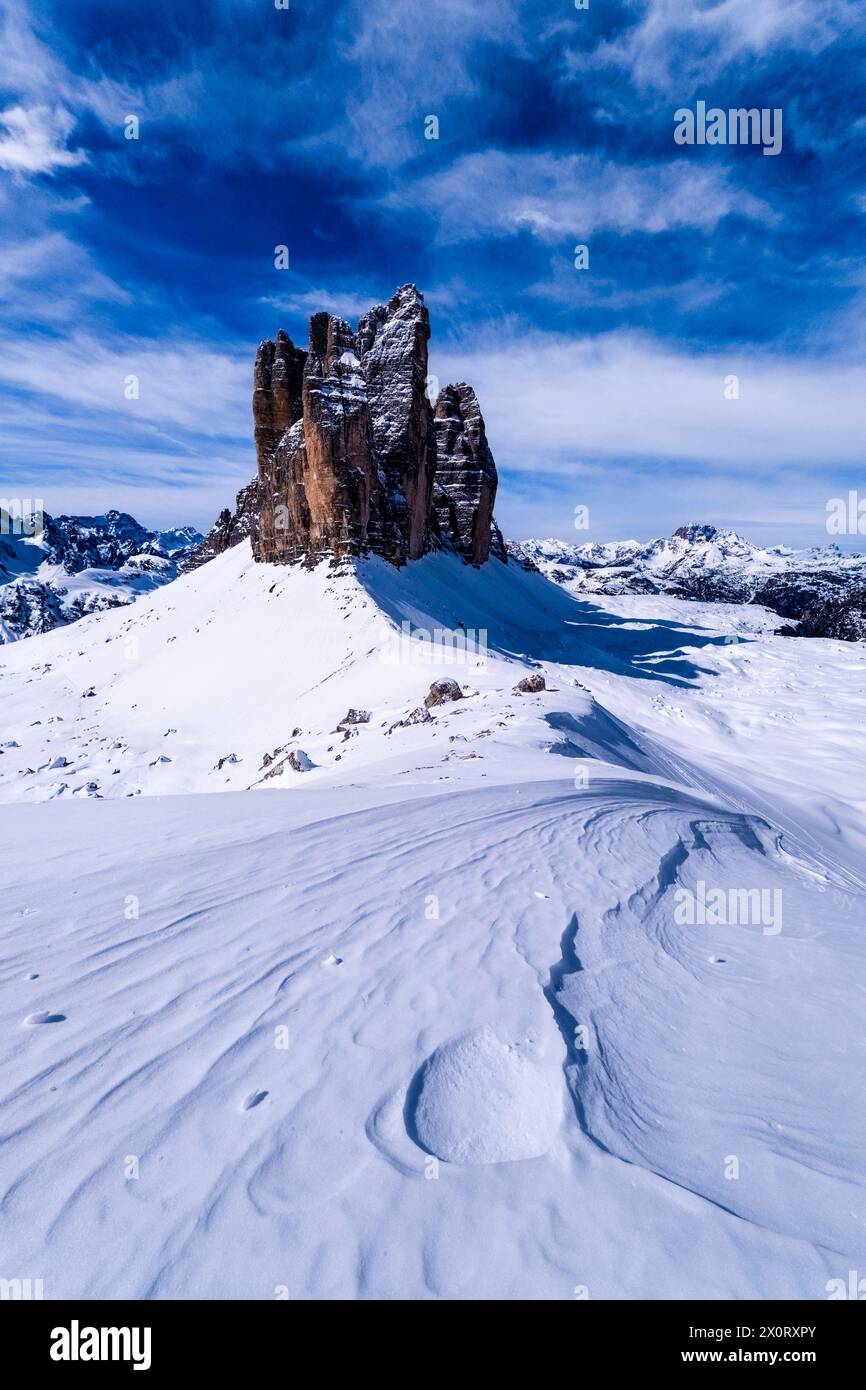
(229, 529)
(349, 451)
(465, 483)
(696, 532)
(277, 381)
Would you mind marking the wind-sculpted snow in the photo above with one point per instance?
(261, 968)
(481, 1100)
(521, 994)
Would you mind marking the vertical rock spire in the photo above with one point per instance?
(350, 456)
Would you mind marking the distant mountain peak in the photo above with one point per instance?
(75, 565)
(822, 589)
(696, 531)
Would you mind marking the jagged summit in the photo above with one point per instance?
(57, 569)
(353, 458)
(821, 588)
(696, 531)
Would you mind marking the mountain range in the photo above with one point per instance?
(57, 569)
(820, 591)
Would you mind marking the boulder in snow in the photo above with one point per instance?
(530, 685)
(441, 692)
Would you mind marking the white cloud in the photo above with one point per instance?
(48, 278)
(677, 45)
(33, 140)
(347, 305)
(494, 193)
(184, 386)
(414, 61)
(552, 402)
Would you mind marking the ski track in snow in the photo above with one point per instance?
(234, 1027)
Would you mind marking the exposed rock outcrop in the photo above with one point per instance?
(230, 528)
(530, 685)
(351, 457)
(465, 483)
(441, 692)
(843, 619)
(277, 383)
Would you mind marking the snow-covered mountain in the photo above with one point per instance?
(55, 570)
(436, 1008)
(822, 590)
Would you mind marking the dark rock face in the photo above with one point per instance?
(277, 382)
(349, 455)
(793, 594)
(229, 528)
(843, 619)
(465, 483)
(392, 342)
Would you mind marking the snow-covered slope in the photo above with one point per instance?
(241, 664)
(68, 566)
(443, 1015)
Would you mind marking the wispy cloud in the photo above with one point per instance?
(676, 45)
(552, 401)
(499, 193)
(182, 385)
(34, 141)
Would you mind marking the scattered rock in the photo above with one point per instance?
(299, 761)
(354, 716)
(417, 716)
(441, 692)
(530, 685)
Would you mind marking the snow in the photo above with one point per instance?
(482, 1101)
(427, 1021)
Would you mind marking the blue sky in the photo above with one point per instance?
(306, 127)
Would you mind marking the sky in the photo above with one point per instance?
(606, 387)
